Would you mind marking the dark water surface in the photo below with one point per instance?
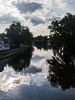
(29, 76)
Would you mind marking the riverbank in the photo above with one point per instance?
(12, 52)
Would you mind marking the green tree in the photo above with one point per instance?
(2, 35)
(62, 33)
(44, 39)
(26, 36)
(14, 32)
(39, 38)
(19, 34)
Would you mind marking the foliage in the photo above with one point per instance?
(13, 46)
(40, 40)
(44, 39)
(39, 37)
(62, 33)
(2, 35)
(19, 34)
(26, 36)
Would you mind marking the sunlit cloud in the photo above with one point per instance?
(36, 20)
(34, 13)
(61, 3)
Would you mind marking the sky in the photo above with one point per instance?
(36, 14)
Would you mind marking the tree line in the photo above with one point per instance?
(62, 33)
(19, 33)
(40, 40)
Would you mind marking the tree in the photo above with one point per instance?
(2, 35)
(26, 36)
(62, 33)
(14, 32)
(19, 33)
(41, 40)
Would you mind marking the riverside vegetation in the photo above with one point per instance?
(62, 33)
(19, 33)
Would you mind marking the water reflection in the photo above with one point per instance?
(24, 69)
(61, 72)
(31, 82)
(45, 47)
(19, 61)
(9, 78)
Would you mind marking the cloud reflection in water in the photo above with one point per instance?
(35, 74)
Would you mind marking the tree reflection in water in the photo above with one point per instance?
(19, 61)
(61, 72)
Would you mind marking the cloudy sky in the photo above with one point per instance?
(36, 14)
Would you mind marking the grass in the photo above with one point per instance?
(9, 53)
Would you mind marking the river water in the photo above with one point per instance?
(28, 76)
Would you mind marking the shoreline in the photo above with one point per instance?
(11, 53)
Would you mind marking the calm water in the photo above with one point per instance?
(29, 76)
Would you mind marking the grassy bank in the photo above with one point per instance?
(10, 53)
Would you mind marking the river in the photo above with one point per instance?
(29, 76)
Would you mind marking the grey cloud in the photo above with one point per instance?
(25, 7)
(36, 20)
(71, 2)
(27, 17)
(47, 18)
(7, 18)
(37, 58)
(51, 19)
(32, 70)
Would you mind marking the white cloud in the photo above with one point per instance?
(28, 76)
(61, 3)
(40, 14)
